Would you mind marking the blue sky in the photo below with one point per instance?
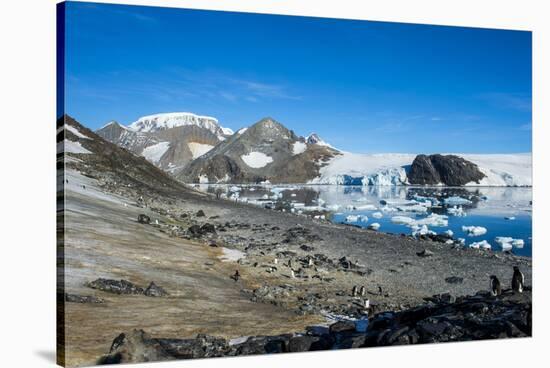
(362, 86)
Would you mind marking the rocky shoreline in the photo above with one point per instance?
(476, 317)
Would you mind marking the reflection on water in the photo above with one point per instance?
(503, 212)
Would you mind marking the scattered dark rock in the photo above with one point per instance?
(74, 298)
(425, 253)
(155, 290)
(454, 280)
(307, 248)
(144, 219)
(197, 231)
(200, 213)
(115, 286)
(342, 326)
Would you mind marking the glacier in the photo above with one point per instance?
(387, 169)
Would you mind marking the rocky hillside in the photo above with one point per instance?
(449, 170)
(110, 164)
(170, 141)
(266, 151)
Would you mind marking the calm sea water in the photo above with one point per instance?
(504, 212)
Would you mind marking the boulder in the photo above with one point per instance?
(84, 299)
(144, 219)
(155, 290)
(115, 286)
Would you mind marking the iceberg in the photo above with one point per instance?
(474, 230)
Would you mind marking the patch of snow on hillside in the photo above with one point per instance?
(199, 149)
(71, 147)
(299, 147)
(242, 130)
(76, 132)
(256, 160)
(155, 152)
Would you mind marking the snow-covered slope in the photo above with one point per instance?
(154, 123)
(504, 169)
(391, 169)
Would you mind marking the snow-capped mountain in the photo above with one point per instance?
(157, 122)
(266, 151)
(313, 138)
(168, 140)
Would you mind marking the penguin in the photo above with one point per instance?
(236, 276)
(310, 261)
(292, 275)
(367, 304)
(362, 291)
(275, 261)
(517, 280)
(354, 291)
(379, 290)
(495, 286)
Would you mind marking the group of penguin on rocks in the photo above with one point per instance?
(518, 281)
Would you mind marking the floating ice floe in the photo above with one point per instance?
(455, 201)
(507, 243)
(481, 244)
(448, 232)
(377, 215)
(421, 230)
(366, 207)
(387, 208)
(413, 208)
(402, 220)
(356, 218)
(431, 220)
(509, 218)
(434, 220)
(374, 226)
(456, 211)
(474, 230)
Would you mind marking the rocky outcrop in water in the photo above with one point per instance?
(443, 318)
(449, 170)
